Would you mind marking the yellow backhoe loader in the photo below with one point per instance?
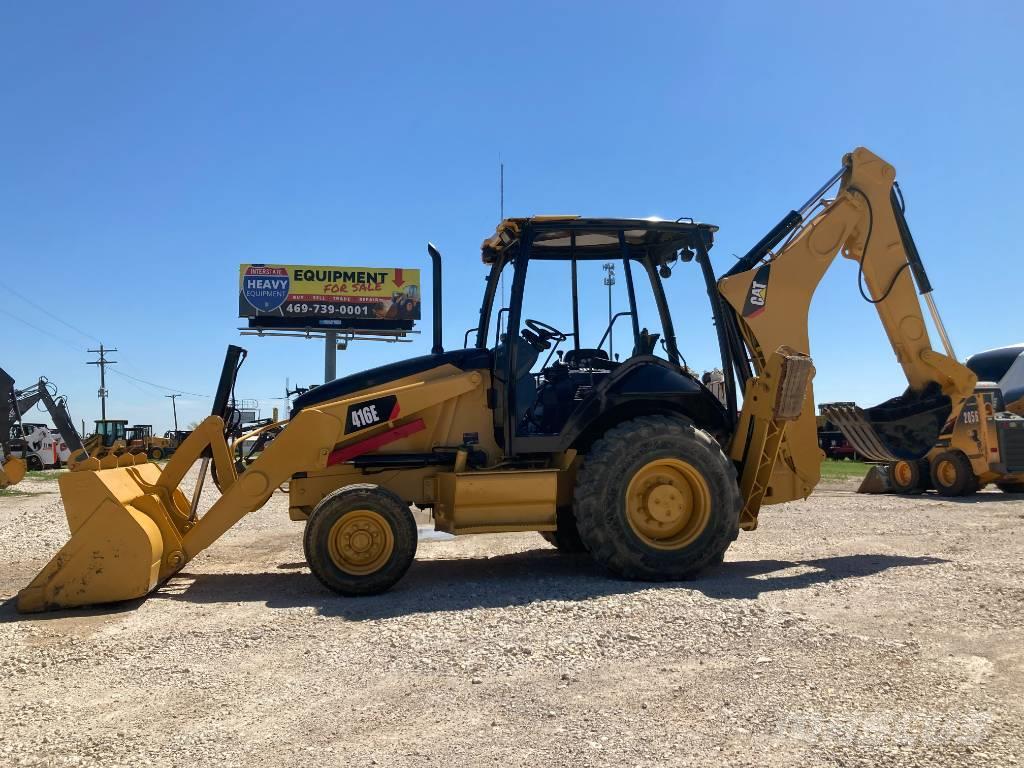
(634, 460)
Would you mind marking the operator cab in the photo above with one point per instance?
(566, 346)
(111, 430)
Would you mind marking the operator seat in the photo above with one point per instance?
(526, 385)
(585, 358)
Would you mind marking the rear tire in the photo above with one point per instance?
(1010, 487)
(656, 499)
(567, 538)
(156, 454)
(952, 474)
(360, 540)
(908, 477)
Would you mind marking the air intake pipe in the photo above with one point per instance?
(435, 257)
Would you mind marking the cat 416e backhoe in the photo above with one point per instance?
(633, 460)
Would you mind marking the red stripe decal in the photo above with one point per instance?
(394, 411)
(370, 444)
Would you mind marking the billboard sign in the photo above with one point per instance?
(281, 295)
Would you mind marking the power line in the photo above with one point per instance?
(48, 312)
(158, 386)
(72, 345)
(43, 331)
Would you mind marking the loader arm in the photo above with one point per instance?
(768, 298)
(141, 514)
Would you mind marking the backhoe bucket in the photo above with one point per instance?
(905, 427)
(116, 550)
(12, 471)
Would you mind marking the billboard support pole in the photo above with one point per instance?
(330, 356)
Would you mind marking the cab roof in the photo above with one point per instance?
(595, 238)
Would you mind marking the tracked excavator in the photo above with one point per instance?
(531, 428)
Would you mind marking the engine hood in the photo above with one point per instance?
(466, 359)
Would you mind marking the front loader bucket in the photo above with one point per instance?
(905, 427)
(116, 550)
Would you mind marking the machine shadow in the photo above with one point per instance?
(516, 579)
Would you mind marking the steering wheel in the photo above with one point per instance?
(540, 335)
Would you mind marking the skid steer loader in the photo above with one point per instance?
(634, 460)
(981, 443)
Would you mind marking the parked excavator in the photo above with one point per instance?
(635, 461)
(14, 403)
(105, 448)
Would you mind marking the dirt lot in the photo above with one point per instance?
(849, 630)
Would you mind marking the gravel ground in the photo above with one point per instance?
(848, 630)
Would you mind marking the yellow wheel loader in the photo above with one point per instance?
(537, 427)
(140, 439)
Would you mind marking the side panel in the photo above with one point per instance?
(461, 420)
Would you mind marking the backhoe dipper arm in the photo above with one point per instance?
(16, 403)
(770, 301)
(62, 420)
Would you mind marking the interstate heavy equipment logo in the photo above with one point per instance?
(265, 287)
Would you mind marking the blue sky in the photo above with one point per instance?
(148, 149)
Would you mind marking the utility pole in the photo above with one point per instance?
(174, 407)
(102, 363)
(330, 356)
(609, 280)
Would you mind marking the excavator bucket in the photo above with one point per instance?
(905, 427)
(116, 550)
(12, 471)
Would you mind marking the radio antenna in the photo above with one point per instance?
(501, 214)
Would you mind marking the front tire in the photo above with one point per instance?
(908, 477)
(567, 538)
(656, 499)
(952, 474)
(360, 540)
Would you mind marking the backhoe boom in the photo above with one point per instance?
(770, 302)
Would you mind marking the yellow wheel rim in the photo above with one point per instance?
(946, 472)
(361, 542)
(668, 503)
(157, 454)
(904, 473)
